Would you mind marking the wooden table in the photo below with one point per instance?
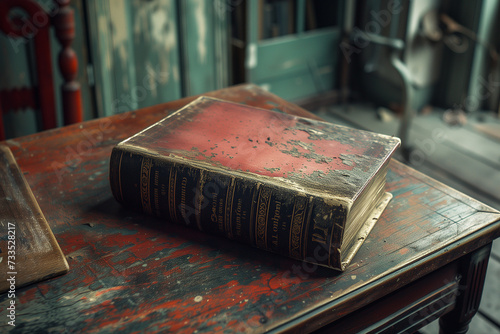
(426, 256)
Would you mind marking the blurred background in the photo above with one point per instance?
(426, 71)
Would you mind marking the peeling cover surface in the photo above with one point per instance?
(237, 137)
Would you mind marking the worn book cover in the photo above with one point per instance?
(302, 188)
(28, 250)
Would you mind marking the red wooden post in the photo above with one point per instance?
(43, 59)
(36, 27)
(64, 24)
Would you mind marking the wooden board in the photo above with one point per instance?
(28, 250)
(492, 130)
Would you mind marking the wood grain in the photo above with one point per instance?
(28, 250)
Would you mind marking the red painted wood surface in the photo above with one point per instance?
(36, 27)
(135, 273)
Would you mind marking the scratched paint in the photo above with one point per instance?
(15, 54)
(201, 25)
(120, 37)
(155, 38)
(252, 56)
(164, 33)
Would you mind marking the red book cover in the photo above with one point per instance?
(294, 186)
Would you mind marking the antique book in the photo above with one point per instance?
(28, 250)
(302, 188)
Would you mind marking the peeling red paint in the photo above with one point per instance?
(262, 142)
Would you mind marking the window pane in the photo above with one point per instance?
(321, 14)
(277, 18)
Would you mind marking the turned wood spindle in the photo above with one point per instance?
(64, 24)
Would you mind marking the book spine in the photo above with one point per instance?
(278, 219)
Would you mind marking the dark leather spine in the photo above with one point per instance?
(278, 219)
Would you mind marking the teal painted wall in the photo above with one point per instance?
(16, 74)
(132, 54)
(149, 52)
(135, 51)
(204, 45)
(292, 57)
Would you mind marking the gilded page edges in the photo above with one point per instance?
(365, 230)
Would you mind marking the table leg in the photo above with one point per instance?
(473, 271)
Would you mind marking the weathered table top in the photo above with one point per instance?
(135, 273)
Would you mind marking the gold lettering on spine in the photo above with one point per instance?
(157, 193)
(213, 215)
(200, 198)
(146, 165)
(320, 233)
(309, 211)
(276, 221)
(220, 215)
(239, 217)
(120, 176)
(262, 215)
(171, 193)
(229, 208)
(298, 218)
(183, 199)
(252, 227)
